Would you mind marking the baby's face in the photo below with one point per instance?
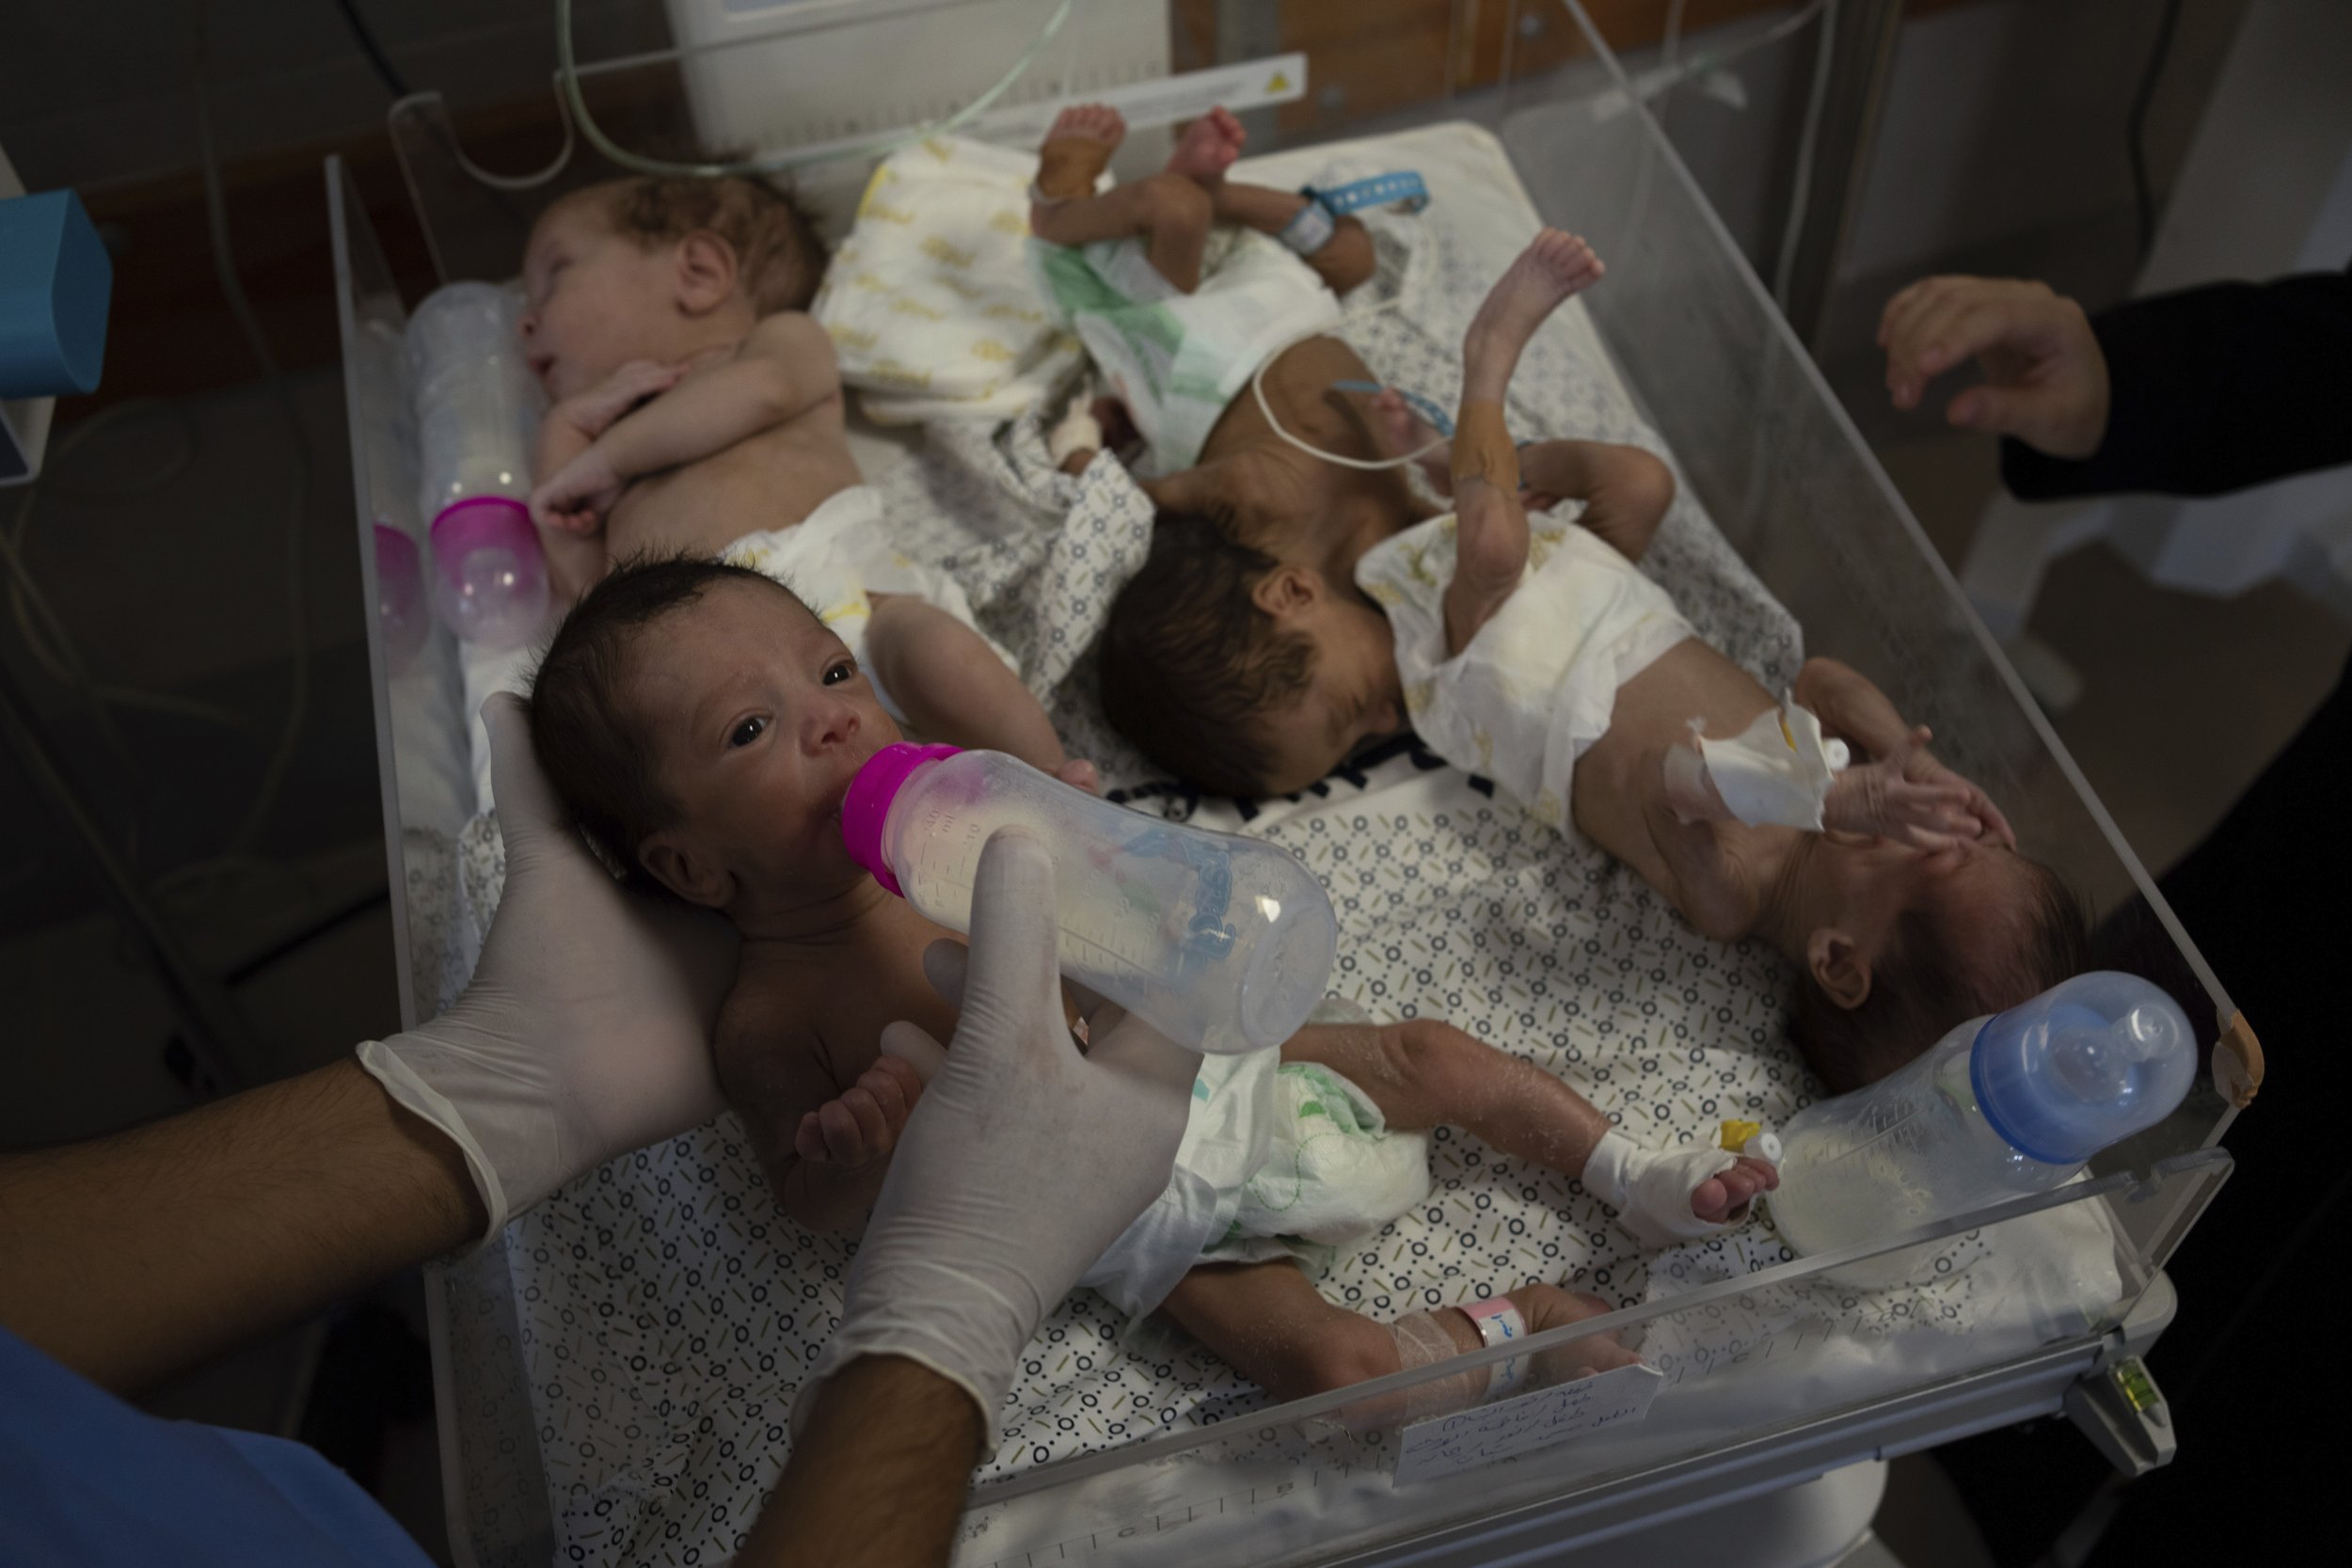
(760, 719)
(1975, 885)
(594, 298)
(1353, 698)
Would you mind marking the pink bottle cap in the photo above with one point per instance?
(866, 806)
(480, 522)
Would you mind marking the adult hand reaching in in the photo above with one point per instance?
(2046, 379)
(1022, 1160)
(587, 1031)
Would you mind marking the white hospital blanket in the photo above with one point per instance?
(928, 300)
(667, 1310)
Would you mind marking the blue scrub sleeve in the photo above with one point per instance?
(87, 1480)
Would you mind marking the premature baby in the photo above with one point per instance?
(703, 725)
(1537, 653)
(689, 391)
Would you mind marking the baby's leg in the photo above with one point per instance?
(1269, 1324)
(1421, 1072)
(1170, 211)
(1491, 540)
(1624, 490)
(1343, 262)
(1208, 148)
(1554, 269)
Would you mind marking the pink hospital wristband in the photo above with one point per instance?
(1499, 1322)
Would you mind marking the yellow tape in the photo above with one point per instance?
(1067, 168)
(1482, 449)
(1737, 1134)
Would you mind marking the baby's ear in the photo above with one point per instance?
(1286, 590)
(1839, 966)
(706, 271)
(694, 877)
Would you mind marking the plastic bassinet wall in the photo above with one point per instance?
(1786, 477)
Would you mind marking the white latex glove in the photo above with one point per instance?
(586, 1031)
(1023, 1161)
(1651, 1191)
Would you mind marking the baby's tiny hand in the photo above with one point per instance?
(577, 497)
(1078, 773)
(863, 1124)
(1903, 798)
(1919, 763)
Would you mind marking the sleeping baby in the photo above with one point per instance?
(690, 393)
(703, 724)
(1537, 654)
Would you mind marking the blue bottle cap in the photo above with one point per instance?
(2083, 1065)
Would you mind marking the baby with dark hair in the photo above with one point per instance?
(1532, 651)
(703, 724)
(697, 409)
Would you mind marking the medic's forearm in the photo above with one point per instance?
(877, 1476)
(134, 1258)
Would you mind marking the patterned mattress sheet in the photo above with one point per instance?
(666, 1308)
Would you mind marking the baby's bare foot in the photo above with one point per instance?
(1208, 148)
(1724, 1197)
(1077, 149)
(1546, 276)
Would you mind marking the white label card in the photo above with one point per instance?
(1469, 1438)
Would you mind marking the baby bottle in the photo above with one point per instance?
(388, 447)
(2000, 1108)
(1224, 943)
(477, 409)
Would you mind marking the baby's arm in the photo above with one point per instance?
(784, 367)
(823, 1148)
(1625, 491)
(1492, 549)
(954, 687)
(1850, 707)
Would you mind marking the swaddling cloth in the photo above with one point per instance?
(1278, 1159)
(1535, 687)
(1177, 360)
(839, 555)
(932, 314)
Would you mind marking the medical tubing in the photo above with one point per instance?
(364, 35)
(1257, 389)
(567, 73)
(2135, 126)
(298, 479)
(1808, 146)
(1673, 70)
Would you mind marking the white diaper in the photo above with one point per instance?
(837, 555)
(1177, 360)
(1536, 686)
(1280, 1158)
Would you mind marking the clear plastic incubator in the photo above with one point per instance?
(614, 1371)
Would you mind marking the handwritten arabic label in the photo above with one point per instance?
(1469, 1438)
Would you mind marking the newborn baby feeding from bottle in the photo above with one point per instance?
(1534, 651)
(689, 391)
(703, 726)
